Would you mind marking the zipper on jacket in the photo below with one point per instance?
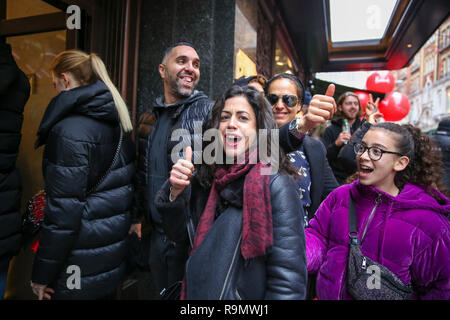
(377, 202)
(236, 250)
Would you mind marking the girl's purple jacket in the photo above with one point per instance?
(409, 234)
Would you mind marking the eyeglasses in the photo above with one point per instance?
(288, 99)
(375, 153)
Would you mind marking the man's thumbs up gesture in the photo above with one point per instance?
(180, 174)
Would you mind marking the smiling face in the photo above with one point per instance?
(380, 173)
(237, 126)
(350, 107)
(281, 112)
(180, 72)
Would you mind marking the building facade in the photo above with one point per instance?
(232, 37)
(426, 81)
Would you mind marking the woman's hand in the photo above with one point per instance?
(42, 291)
(136, 228)
(374, 118)
(321, 108)
(180, 174)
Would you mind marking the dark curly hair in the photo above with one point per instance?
(425, 161)
(264, 120)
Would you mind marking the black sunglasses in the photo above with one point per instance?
(288, 99)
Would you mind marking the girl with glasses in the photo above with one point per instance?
(399, 210)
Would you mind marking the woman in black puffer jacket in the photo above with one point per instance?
(82, 249)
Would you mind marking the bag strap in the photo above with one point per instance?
(116, 156)
(352, 231)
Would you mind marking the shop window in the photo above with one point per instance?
(282, 63)
(245, 40)
(26, 8)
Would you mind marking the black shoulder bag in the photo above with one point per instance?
(367, 279)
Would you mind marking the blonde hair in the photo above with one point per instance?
(86, 69)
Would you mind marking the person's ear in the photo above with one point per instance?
(66, 80)
(401, 163)
(162, 71)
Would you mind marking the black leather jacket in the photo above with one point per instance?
(217, 270)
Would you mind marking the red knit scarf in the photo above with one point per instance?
(257, 229)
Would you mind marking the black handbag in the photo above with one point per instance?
(367, 279)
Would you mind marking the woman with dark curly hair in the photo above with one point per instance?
(400, 216)
(249, 241)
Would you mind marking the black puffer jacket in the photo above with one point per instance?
(14, 93)
(81, 131)
(342, 167)
(217, 270)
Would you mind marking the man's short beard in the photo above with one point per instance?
(348, 117)
(177, 90)
(181, 92)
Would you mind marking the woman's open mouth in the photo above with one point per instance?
(232, 140)
(365, 171)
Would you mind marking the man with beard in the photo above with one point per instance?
(335, 137)
(183, 107)
(180, 107)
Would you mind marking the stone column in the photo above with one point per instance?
(207, 24)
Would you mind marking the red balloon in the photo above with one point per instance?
(381, 81)
(395, 106)
(363, 98)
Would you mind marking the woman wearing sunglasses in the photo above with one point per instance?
(285, 93)
(400, 216)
